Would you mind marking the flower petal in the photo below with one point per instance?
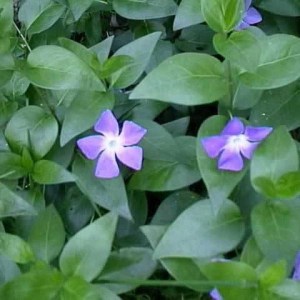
(131, 133)
(91, 146)
(252, 16)
(131, 156)
(257, 134)
(107, 166)
(213, 145)
(247, 4)
(215, 295)
(230, 160)
(233, 127)
(107, 124)
(296, 273)
(248, 149)
(242, 25)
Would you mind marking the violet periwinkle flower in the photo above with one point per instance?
(251, 16)
(235, 142)
(296, 272)
(215, 295)
(111, 144)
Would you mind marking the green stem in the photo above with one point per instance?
(195, 283)
(22, 37)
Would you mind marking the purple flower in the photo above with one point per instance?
(111, 144)
(251, 16)
(235, 142)
(296, 272)
(215, 295)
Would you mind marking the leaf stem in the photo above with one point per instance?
(22, 37)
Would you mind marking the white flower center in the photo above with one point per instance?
(113, 143)
(237, 142)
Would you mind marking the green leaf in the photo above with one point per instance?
(287, 8)
(276, 156)
(6, 16)
(237, 272)
(146, 9)
(8, 269)
(15, 248)
(47, 235)
(207, 234)
(191, 72)
(76, 288)
(81, 254)
(83, 112)
(173, 206)
(79, 7)
(159, 175)
(48, 172)
(13, 205)
(273, 274)
(241, 48)
(36, 284)
(33, 128)
(278, 63)
(288, 185)
(222, 15)
(289, 289)
(218, 183)
(40, 15)
(11, 166)
(251, 254)
(277, 107)
(54, 67)
(188, 13)
(279, 222)
(110, 194)
(103, 48)
(127, 263)
(140, 50)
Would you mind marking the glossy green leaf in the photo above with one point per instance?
(275, 156)
(54, 67)
(197, 232)
(78, 8)
(48, 172)
(37, 284)
(6, 16)
(47, 235)
(140, 50)
(40, 15)
(287, 8)
(275, 225)
(33, 128)
(199, 74)
(278, 63)
(127, 263)
(188, 13)
(8, 269)
(15, 248)
(81, 254)
(239, 273)
(11, 166)
(241, 48)
(277, 107)
(222, 15)
(110, 194)
(12, 204)
(148, 9)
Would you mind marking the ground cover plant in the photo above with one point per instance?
(149, 149)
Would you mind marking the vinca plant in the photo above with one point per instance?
(149, 149)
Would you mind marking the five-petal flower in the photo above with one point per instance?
(111, 144)
(296, 272)
(251, 16)
(235, 142)
(215, 295)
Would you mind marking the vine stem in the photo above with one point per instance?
(182, 283)
(22, 37)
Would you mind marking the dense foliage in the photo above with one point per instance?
(201, 110)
